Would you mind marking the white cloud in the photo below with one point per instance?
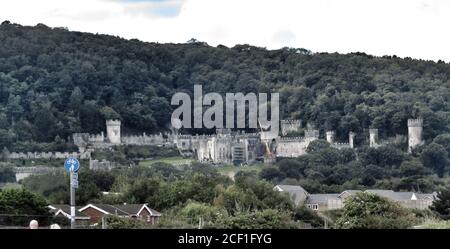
(414, 28)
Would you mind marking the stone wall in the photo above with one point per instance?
(144, 139)
(48, 155)
(290, 125)
(292, 146)
(415, 128)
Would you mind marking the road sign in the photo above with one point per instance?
(74, 184)
(72, 164)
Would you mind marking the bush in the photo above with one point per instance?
(114, 222)
(266, 219)
(370, 211)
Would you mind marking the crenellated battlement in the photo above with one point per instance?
(48, 155)
(113, 122)
(292, 139)
(291, 121)
(373, 131)
(415, 122)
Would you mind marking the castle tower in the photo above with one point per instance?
(415, 128)
(373, 138)
(351, 138)
(113, 131)
(290, 125)
(330, 137)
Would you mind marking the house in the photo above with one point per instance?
(141, 211)
(322, 202)
(297, 193)
(64, 211)
(97, 211)
(406, 199)
(347, 193)
(317, 202)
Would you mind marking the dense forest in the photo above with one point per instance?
(54, 82)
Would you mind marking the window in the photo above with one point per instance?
(313, 206)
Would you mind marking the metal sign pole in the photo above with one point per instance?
(72, 165)
(72, 202)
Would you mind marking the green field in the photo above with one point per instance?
(169, 160)
(231, 170)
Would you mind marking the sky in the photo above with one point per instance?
(406, 28)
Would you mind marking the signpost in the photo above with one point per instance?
(72, 165)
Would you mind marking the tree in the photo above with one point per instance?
(413, 168)
(195, 211)
(271, 173)
(370, 211)
(115, 222)
(307, 215)
(441, 205)
(109, 113)
(7, 174)
(435, 157)
(265, 219)
(23, 206)
(317, 145)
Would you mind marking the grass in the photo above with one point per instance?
(231, 170)
(177, 160)
(435, 224)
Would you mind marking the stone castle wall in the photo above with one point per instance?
(49, 155)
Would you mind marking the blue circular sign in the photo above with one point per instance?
(72, 164)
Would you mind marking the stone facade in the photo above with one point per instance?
(415, 128)
(295, 146)
(49, 155)
(113, 131)
(373, 138)
(290, 125)
(223, 147)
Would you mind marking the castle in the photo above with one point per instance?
(226, 146)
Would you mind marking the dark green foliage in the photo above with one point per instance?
(7, 174)
(22, 206)
(115, 222)
(127, 154)
(370, 211)
(306, 215)
(441, 205)
(265, 219)
(435, 156)
(54, 82)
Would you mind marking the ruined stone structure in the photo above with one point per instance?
(49, 155)
(290, 125)
(415, 128)
(113, 131)
(373, 138)
(113, 137)
(24, 172)
(330, 137)
(295, 146)
(223, 147)
(226, 147)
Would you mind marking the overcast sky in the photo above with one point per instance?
(406, 28)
